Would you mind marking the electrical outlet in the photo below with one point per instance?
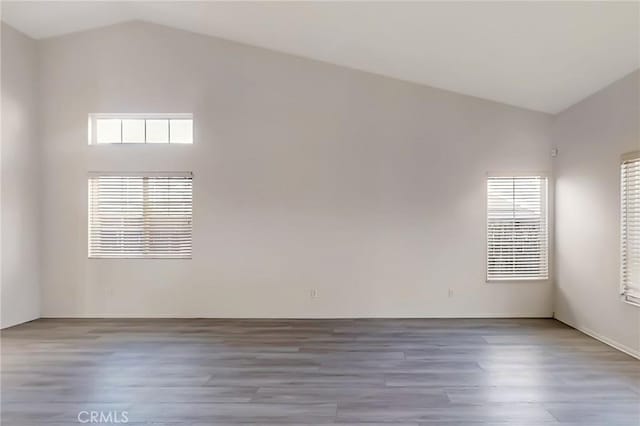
(450, 292)
(314, 293)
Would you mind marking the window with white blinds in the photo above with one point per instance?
(517, 228)
(630, 229)
(140, 216)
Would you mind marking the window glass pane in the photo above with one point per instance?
(132, 131)
(181, 131)
(158, 131)
(108, 131)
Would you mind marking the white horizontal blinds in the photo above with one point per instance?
(630, 232)
(140, 216)
(517, 228)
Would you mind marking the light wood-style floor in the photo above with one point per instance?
(419, 372)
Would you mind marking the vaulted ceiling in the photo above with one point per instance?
(544, 56)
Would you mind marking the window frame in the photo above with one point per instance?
(92, 127)
(549, 231)
(94, 174)
(630, 156)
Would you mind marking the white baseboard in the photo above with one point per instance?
(501, 315)
(616, 345)
(15, 323)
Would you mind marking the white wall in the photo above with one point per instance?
(19, 201)
(307, 175)
(591, 137)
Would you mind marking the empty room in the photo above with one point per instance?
(320, 213)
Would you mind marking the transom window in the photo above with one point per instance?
(140, 215)
(517, 228)
(140, 128)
